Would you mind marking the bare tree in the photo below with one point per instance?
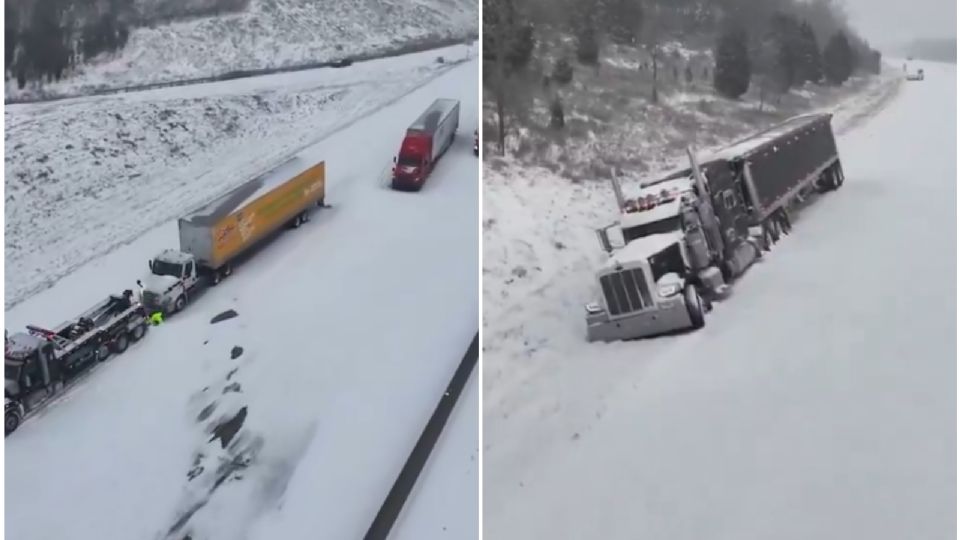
(651, 42)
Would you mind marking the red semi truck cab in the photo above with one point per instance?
(426, 140)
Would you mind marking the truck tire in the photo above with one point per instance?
(691, 298)
(181, 302)
(121, 343)
(11, 421)
(227, 270)
(103, 352)
(137, 333)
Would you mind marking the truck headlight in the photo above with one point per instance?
(593, 308)
(669, 289)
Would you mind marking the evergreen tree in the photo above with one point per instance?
(502, 21)
(11, 33)
(584, 24)
(623, 20)
(838, 59)
(809, 62)
(731, 76)
(588, 46)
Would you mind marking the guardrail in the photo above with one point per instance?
(387, 516)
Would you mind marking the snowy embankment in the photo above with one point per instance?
(817, 403)
(86, 175)
(269, 34)
(292, 419)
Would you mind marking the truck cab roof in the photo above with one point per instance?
(639, 250)
(174, 256)
(656, 202)
(21, 345)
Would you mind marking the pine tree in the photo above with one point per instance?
(838, 59)
(623, 20)
(731, 77)
(809, 62)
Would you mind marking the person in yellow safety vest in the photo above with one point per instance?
(156, 318)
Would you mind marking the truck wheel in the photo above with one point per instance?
(227, 270)
(121, 343)
(694, 307)
(137, 333)
(181, 302)
(103, 352)
(11, 421)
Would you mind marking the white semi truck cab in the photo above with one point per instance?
(172, 278)
(649, 285)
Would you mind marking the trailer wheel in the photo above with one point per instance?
(694, 306)
(11, 421)
(137, 333)
(103, 352)
(121, 343)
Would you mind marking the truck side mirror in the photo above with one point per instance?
(394, 159)
(614, 236)
(149, 265)
(611, 238)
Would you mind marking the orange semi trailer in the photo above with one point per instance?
(214, 236)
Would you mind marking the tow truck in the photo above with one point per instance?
(40, 364)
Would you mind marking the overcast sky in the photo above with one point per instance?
(887, 23)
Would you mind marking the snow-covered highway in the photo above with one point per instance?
(818, 402)
(348, 331)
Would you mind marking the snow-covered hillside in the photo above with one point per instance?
(330, 370)
(270, 34)
(85, 175)
(819, 401)
(608, 111)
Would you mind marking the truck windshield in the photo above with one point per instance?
(666, 225)
(11, 370)
(670, 259)
(408, 161)
(164, 268)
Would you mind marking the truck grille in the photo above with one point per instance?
(625, 291)
(151, 300)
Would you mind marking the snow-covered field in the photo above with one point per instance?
(348, 332)
(86, 175)
(269, 34)
(818, 402)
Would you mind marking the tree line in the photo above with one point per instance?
(45, 39)
(775, 44)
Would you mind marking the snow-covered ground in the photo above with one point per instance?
(348, 331)
(86, 175)
(818, 402)
(269, 34)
